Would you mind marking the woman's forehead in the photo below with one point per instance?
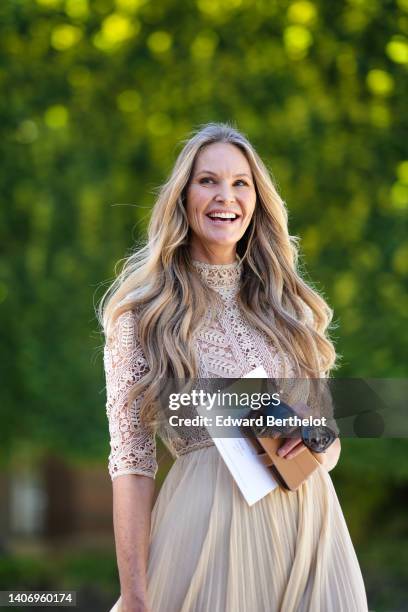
(222, 157)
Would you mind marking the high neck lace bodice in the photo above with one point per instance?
(227, 346)
(223, 278)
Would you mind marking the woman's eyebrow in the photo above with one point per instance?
(215, 174)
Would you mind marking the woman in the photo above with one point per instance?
(216, 293)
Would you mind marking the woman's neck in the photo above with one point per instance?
(224, 257)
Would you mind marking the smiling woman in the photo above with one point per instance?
(221, 200)
(212, 297)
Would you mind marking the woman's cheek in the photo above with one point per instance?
(196, 217)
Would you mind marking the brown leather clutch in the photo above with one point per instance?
(289, 473)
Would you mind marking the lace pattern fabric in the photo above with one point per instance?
(228, 347)
(133, 448)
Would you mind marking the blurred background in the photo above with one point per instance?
(95, 97)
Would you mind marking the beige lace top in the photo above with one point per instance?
(229, 347)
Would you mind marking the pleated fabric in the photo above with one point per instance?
(211, 552)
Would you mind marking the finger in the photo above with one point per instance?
(287, 446)
(295, 451)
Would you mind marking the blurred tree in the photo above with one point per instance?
(96, 95)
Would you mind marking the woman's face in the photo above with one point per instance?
(221, 183)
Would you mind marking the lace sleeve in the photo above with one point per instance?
(133, 446)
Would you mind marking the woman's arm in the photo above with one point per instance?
(132, 504)
(132, 461)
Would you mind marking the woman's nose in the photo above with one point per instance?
(225, 194)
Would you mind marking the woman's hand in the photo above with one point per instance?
(293, 446)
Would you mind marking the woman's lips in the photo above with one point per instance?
(219, 221)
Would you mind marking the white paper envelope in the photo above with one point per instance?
(253, 478)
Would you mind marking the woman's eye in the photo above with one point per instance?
(207, 179)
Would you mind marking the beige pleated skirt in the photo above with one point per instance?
(211, 552)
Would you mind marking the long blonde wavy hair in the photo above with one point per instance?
(161, 285)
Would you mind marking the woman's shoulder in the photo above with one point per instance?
(123, 329)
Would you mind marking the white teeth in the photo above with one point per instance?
(223, 215)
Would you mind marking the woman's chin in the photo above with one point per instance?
(223, 243)
(222, 238)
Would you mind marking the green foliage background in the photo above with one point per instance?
(96, 94)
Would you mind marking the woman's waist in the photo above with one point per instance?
(187, 442)
(184, 440)
(193, 446)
